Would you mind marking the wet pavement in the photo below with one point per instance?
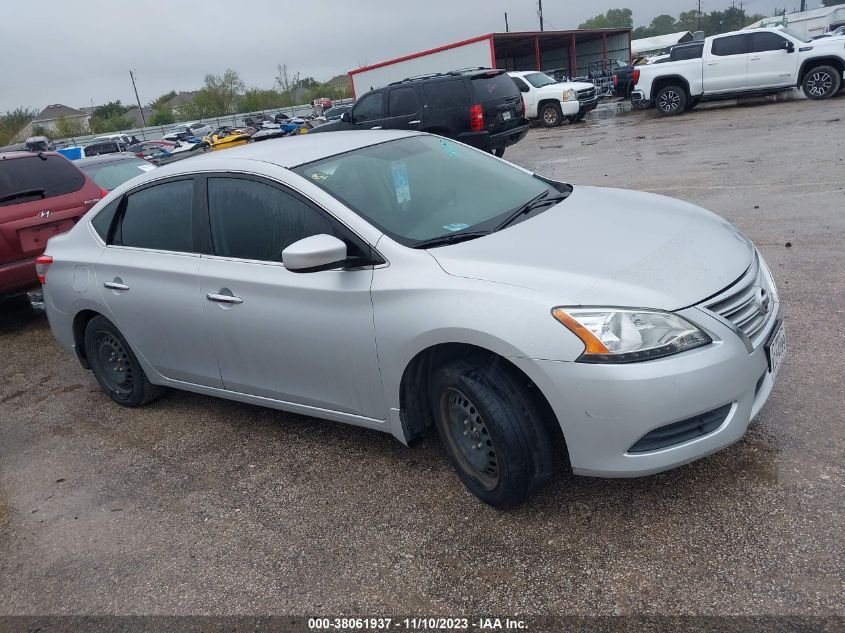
(199, 505)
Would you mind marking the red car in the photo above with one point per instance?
(41, 195)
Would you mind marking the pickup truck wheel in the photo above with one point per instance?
(492, 430)
(670, 100)
(551, 115)
(822, 82)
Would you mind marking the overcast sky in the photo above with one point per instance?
(79, 53)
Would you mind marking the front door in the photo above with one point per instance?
(368, 113)
(770, 64)
(147, 277)
(304, 338)
(726, 65)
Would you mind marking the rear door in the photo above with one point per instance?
(147, 277)
(403, 109)
(39, 198)
(770, 64)
(726, 64)
(500, 99)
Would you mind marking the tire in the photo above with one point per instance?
(821, 82)
(499, 151)
(551, 115)
(485, 403)
(115, 366)
(670, 100)
(692, 103)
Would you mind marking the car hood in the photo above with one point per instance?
(575, 85)
(610, 247)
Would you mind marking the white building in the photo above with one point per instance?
(647, 46)
(808, 23)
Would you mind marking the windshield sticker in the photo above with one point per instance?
(146, 167)
(456, 227)
(319, 176)
(450, 148)
(400, 182)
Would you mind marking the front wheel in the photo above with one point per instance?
(115, 366)
(492, 430)
(822, 82)
(670, 100)
(551, 115)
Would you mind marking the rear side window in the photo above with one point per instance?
(731, 45)
(686, 52)
(31, 178)
(160, 217)
(494, 88)
(102, 221)
(762, 42)
(402, 101)
(442, 95)
(254, 220)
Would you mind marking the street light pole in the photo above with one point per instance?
(135, 88)
(540, 12)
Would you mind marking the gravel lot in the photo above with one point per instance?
(198, 505)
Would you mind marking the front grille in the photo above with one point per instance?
(587, 94)
(683, 431)
(750, 304)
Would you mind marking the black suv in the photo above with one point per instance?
(481, 107)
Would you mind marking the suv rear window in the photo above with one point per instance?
(48, 177)
(442, 95)
(493, 88)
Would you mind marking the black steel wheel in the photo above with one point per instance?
(822, 82)
(670, 100)
(115, 366)
(492, 430)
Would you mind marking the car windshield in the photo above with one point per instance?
(538, 80)
(112, 174)
(795, 35)
(424, 187)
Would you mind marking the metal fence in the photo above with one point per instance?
(154, 133)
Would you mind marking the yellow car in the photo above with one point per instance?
(226, 137)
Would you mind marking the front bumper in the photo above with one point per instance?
(588, 106)
(604, 410)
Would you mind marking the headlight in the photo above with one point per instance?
(570, 95)
(615, 335)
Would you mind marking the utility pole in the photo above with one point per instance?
(699, 15)
(135, 88)
(540, 13)
(803, 5)
(507, 30)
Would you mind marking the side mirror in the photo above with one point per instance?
(311, 254)
(789, 46)
(346, 117)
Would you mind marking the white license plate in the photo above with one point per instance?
(776, 349)
(506, 115)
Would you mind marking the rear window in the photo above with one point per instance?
(31, 178)
(113, 174)
(442, 95)
(494, 88)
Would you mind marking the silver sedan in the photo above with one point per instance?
(400, 281)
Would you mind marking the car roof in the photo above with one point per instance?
(292, 151)
(105, 158)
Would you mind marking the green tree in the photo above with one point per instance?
(288, 82)
(261, 99)
(13, 122)
(66, 128)
(622, 18)
(162, 117)
(111, 124)
(220, 96)
(158, 104)
(109, 110)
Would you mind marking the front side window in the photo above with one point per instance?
(523, 87)
(159, 217)
(255, 220)
(765, 41)
(731, 45)
(370, 108)
(419, 188)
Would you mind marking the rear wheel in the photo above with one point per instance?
(492, 430)
(499, 151)
(115, 366)
(551, 115)
(822, 82)
(670, 100)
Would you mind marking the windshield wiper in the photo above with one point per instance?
(22, 194)
(450, 238)
(543, 200)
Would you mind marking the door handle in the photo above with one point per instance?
(754, 58)
(216, 298)
(115, 285)
(712, 63)
(378, 127)
(414, 122)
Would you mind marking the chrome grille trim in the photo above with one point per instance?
(741, 306)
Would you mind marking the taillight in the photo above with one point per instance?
(103, 193)
(41, 266)
(616, 80)
(636, 76)
(476, 118)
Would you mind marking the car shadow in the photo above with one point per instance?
(20, 311)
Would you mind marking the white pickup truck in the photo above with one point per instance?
(550, 101)
(744, 63)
